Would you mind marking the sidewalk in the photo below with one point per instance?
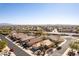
(55, 48)
(30, 52)
(5, 51)
(65, 53)
(27, 51)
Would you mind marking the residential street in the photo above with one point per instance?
(64, 48)
(17, 50)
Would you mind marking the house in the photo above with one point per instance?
(44, 42)
(56, 38)
(33, 41)
(22, 36)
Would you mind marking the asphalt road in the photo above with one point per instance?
(64, 34)
(64, 48)
(17, 51)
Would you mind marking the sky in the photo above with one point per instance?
(39, 13)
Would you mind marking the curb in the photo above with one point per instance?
(21, 47)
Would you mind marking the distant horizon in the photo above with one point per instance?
(39, 13)
(36, 24)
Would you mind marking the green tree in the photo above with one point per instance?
(2, 45)
(72, 46)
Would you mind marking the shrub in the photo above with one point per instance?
(71, 53)
(78, 52)
(2, 45)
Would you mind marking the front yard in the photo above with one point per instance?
(44, 47)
